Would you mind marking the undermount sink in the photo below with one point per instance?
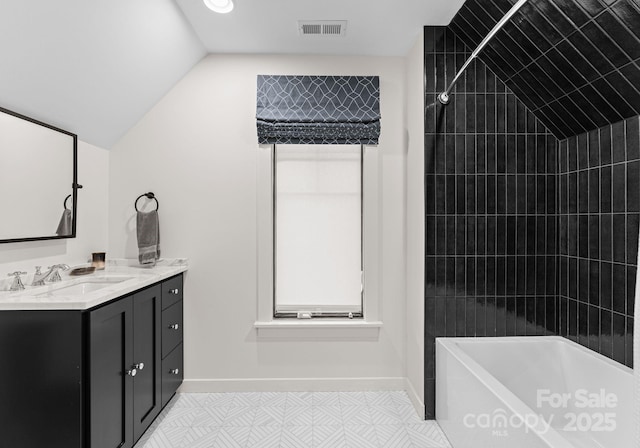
(86, 286)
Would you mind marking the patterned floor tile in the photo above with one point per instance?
(232, 438)
(298, 416)
(265, 437)
(352, 399)
(408, 414)
(393, 436)
(361, 436)
(326, 415)
(190, 400)
(400, 398)
(328, 437)
(273, 399)
(355, 415)
(385, 415)
(427, 434)
(182, 417)
(292, 420)
(219, 399)
(297, 437)
(299, 399)
(326, 399)
(247, 399)
(199, 437)
(269, 416)
(170, 437)
(379, 398)
(210, 416)
(237, 416)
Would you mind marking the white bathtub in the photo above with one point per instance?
(520, 392)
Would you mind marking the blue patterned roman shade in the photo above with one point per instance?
(318, 109)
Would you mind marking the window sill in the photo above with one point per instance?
(318, 329)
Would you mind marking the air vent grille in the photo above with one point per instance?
(322, 27)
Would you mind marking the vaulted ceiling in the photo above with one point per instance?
(96, 67)
(92, 67)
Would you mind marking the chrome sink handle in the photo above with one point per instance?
(17, 284)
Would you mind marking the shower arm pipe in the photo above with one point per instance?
(444, 96)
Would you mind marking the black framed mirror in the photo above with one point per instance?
(39, 180)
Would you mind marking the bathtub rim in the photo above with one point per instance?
(448, 341)
(552, 437)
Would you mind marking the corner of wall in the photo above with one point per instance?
(414, 234)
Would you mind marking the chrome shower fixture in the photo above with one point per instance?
(445, 97)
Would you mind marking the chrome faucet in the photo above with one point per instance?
(17, 284)
(52, 275)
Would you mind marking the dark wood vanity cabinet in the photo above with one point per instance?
(90, 379)
(124, 369)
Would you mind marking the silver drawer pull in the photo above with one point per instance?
(175, 291)
(132, 372)
(174, 371)
(174, 327)
(139, 366)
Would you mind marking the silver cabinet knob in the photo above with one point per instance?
(139, 366)
(174, 327)
(132, 372)
(174, 291)
(174, 371)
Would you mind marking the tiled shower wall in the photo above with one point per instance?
(576, 64)
(491, 236)
(599, 206)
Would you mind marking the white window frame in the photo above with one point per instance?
(371, 320)
(322, 312)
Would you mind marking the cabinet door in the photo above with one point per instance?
(41, 385)
(147, 309)
(110, 375)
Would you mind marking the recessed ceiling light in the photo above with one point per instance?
(221, 6)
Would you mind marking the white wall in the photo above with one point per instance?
(415, 223)
(91, 233)
(197, 150)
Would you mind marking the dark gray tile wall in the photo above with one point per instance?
(491, 204)
(574, 63)
(599, 211)
(525, 234)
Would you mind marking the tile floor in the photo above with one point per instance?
(292, 420)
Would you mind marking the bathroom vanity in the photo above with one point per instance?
(91, 362)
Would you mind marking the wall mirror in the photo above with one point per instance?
(38, 184)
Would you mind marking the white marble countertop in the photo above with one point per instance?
(120, 277)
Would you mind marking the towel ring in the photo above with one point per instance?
(149, 195)
(65, 202)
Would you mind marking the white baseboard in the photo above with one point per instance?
(415, 398)
(292, 385)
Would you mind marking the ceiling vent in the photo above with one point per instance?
(322, 27)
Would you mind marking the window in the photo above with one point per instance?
(318, 231)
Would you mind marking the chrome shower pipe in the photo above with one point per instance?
(444, 96)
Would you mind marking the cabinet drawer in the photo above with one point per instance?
(172, 374)
(171, 291)
(171, 328)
